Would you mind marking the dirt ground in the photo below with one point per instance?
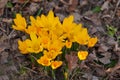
(100, 17)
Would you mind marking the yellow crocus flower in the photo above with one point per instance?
(31, 29)
(83, 37)
(22, 45)
(20, 23)
(35, 44)
(44, 60)
(49, 22)
(68, 27)
(45, 41)
(68, 44)
(56, 64)
(56, 45)
(51, 54)
(92, 42)
(82, 55)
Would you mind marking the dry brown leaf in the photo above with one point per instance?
(4, 57)
(99, 71)
(73, 5)
(33, 7)
(118, 12)
(3, 46)
(87, 76)
(105, 6)
(77, 17)
(72, 60)
(4, 77)
(19, 1)
(6, 20)
(2, 5)
(92, 57)
(116, 67)
(111, 41)
(12, 68)
(64, 2)
(92, 17)
(36, 0)
(106, 58)
(83, 3)
(102, 48)
(61, 16)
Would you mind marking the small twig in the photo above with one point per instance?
(30, 70)
(45, 3)
(2, 28)
(33, 57)
(116, 8)
(65, 2)
(11, 34)
(75, 73)
(25, 4)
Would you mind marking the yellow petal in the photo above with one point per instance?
(92, 42)
(20, 23)
(50, 15)
(56, 64)
(22, 47)
(82, 55)
(44, 61)
(68, 44)
(33, 37)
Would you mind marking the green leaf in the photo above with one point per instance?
(111, 30)
(9, 5)
(22, 70)
(111, 64)
(97, 9)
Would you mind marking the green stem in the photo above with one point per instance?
(46, 69)
(53, 74)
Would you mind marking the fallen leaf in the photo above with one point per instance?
(106, 58)
(73, 5)
(99, 71)
(102, 48)
(116, 67)
(83, 3)
(6, 20)
(3, 46)
(19, 1)
(4, 56)
(105, 5)
(4, 77)
(36, 0)
(118, 12)
(93, 18)
(2, 6)
(61, 16)
(12, 68)
(87, 76)
(95, 78)
(116, 47)
(72, 60)
(111, 41)
(77, 16)
(33, 7)
(92, 56)
(64, 2)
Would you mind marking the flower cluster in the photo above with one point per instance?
(48, 35)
